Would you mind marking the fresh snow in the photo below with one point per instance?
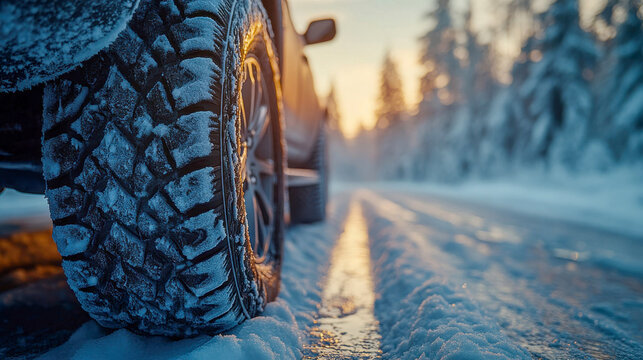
(457, 273)
(71, 239)
(39, 42)
(612, 202)
(423, 312)
(15, 206)
(193, 189)
(204, 72)
(279, 333)
(457, 280)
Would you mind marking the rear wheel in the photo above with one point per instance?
(163, 157)
(308, 202)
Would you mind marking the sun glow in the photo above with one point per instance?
(368, 29)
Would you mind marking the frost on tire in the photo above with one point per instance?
(139, 160)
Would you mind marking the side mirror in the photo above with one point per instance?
(320, 31)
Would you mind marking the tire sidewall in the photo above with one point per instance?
(249, 32)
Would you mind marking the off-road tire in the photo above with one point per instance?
(308, 202)
(141, 161)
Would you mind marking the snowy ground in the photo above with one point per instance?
(612, 201)
(450, 278)
(279, 334)
(453, 274)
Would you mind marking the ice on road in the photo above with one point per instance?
(437, 277)
(346, 327)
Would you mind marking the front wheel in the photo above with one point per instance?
(163, 157)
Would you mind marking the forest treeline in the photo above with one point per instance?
(572, 100)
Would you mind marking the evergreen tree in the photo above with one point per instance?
(391, 105)
(623, 116)
(606, 15)
(559, 98)
(337, 146)
(465, 136)
(334, 118)
(390, 127)
(438, 85)
(518, 124)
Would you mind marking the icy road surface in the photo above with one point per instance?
(392, 274)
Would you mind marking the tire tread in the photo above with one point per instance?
(134, 286)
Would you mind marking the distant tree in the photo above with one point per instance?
(560, 102)
(438, 86)
(390, 126)
(341, 167)
(607, 12)
(465, 136)
(606, 16)
(518, 122)
(391, 106)
(514, 9)
(622, 116)
(334, 118)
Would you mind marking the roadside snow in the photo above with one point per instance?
(612, 202)
(16, 206)
(247, 341)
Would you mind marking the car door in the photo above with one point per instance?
(303, 112)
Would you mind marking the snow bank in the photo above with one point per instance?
(246, 341)
(278, 334)
(15, 205)
(613, 202)
(422, 314)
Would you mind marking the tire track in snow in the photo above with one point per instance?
(544, 304)
(423, 313)
(553, 306)
(346, 327)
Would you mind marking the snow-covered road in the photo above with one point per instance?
(444, 279)
(454, 278)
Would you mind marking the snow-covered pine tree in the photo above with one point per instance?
(502, 109)
(517, 125)
(465, 135)
(557, 89)
(493, 154)
(391, 105)
(438, 86)
(606, 15)
(487, 103)
(333, 115)
(337, 147)
(622, 122)
(390, 114)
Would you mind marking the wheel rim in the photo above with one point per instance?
(258, 160)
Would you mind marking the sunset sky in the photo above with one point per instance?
(367, 29)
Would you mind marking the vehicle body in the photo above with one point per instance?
(169, 138)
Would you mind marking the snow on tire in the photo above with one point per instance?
(143, 178)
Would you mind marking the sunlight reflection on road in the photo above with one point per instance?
(347, 327)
